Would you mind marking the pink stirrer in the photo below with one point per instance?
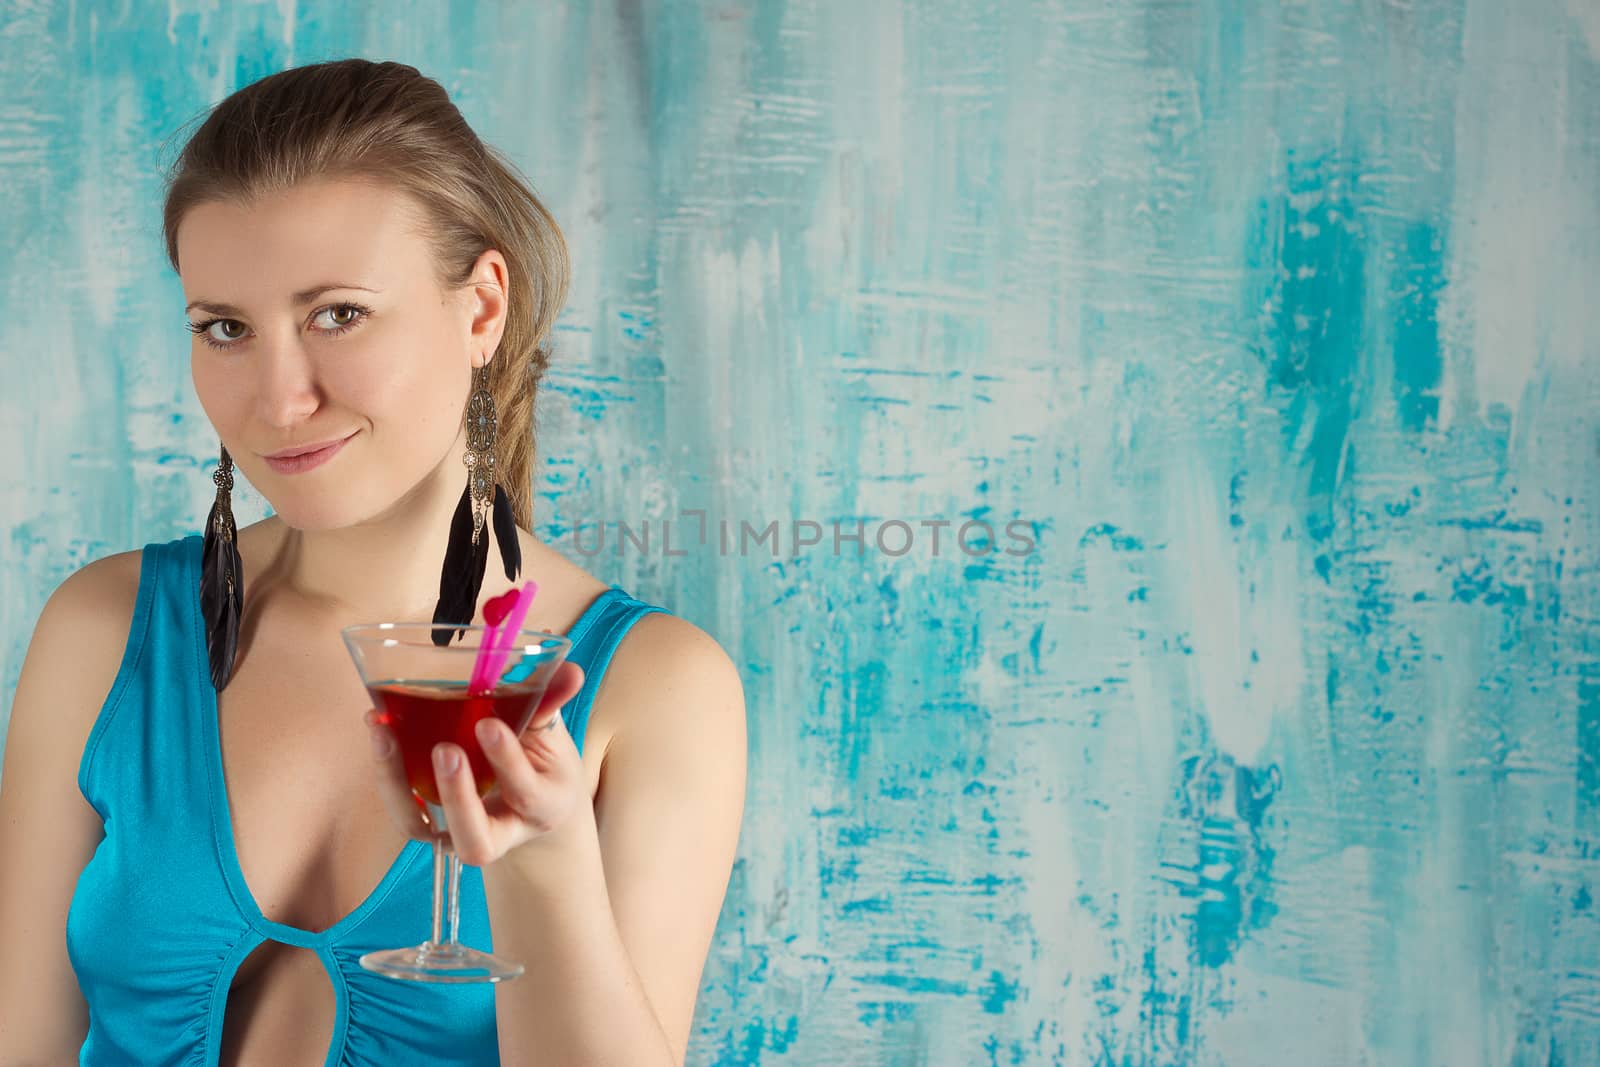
(504, 616)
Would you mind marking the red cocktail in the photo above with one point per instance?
(425, 714)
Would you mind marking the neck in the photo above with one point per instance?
(385, 568)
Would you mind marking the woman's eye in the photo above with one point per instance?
(350, 310)
(203, 329)
(339, 319)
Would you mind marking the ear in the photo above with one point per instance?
(487, 290)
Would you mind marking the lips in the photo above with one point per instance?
(305, 450)
(304, 461)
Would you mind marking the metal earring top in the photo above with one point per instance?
(483, 424)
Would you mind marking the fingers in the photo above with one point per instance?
(398, 799)
(531, 796)
(470, 833)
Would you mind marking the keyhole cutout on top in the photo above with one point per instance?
(280, 1008)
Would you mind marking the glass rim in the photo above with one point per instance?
(534, 640)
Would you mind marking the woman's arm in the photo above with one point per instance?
(613, 912)
(48, 831)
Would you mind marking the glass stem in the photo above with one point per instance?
(455, 900)
(440, 858)
(438, 889)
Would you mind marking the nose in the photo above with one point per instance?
(287, 391)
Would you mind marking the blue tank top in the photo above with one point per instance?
(162, 918)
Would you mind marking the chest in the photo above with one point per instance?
(308, 823)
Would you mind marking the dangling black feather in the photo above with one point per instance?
(505, 532)
(462, 574)
(221, 591)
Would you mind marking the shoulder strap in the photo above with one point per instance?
(600, 643)
(139, 747)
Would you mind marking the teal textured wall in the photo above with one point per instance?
(1276, 326)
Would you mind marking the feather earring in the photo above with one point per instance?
(505, 533)
(221, 578)
(466, 557)
(465, 560)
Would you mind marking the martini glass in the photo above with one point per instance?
(421, 693)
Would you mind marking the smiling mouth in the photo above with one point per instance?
(306, 461)
(311, 449)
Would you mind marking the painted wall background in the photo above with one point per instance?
(1279, 324)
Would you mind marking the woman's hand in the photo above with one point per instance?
(539, 779)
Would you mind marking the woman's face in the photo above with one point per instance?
(383, 357)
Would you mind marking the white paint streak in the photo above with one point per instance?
(1508, 203)
(1240, 602)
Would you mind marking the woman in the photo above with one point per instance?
(198, 836)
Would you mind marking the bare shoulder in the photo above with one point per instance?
(78, 643)
(115, 576)
(669, 675)
(97, 602)
(72, 662)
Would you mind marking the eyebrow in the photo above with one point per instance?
(304, 296)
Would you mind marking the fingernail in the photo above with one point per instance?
(487, 734)
(380, 742)
(447, 759)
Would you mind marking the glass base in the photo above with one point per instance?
(440, 963)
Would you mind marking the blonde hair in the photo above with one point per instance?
(388, 123)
